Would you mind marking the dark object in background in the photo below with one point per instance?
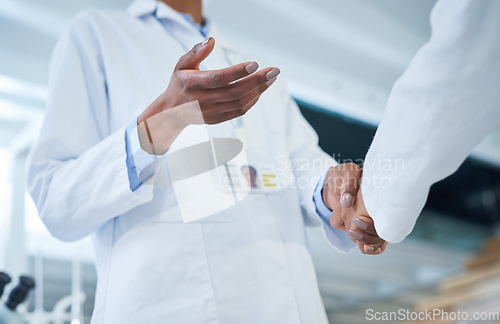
(4, 280)
(20, 292)
(472, 193)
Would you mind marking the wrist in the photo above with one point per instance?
(172, 117)
(159, 126)
(155, 108)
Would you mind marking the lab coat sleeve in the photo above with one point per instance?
(77, 174)
(441, 107)
(309, 164)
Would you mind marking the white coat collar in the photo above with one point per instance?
(141, 8)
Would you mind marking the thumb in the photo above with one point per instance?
(350, 186)
(192, 59)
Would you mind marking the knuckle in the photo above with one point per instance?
(180, 62)
(216, 79)
(352, 181)
(239, 104)
(233, 93)
(195, 48)
(339, 169)
(187, 81)
(354, 167)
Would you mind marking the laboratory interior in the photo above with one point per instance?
(339, 60)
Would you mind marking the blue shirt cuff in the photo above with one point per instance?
(336, 237)
(138, 160)
(321, 208)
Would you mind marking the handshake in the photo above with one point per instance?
(342, 195)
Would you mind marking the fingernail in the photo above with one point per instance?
(273, 73)
(355, 235)
(205, 42)
(252, 67)
(270, 82)
(359, 223)
(369, 249)
(346, 200)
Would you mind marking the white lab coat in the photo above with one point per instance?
(442, 106)
(251, 265)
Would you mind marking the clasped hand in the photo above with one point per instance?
(342, 195)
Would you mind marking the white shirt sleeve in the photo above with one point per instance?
(77, 174)
(442, 106)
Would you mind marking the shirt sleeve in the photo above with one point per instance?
(138, 160)
(442, 106)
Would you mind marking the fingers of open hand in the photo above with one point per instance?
(234, 113)
(220, 82)
(243, 74)
(229, 110)
(229, 101)
(221, 94)
(219, 78)
(241, 102)
(241, 88)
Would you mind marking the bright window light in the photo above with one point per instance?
(22, 88)
(5, 188)
(5, 198)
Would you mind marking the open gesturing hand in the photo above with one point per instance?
(220, 95)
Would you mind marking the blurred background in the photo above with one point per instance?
(340, 60)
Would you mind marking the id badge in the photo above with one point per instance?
(253, 177)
